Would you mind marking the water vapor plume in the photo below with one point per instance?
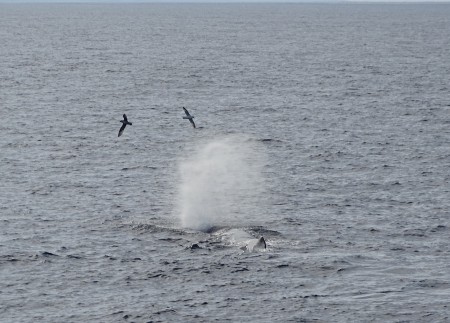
(221, 184)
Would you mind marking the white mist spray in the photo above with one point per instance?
(221, 184)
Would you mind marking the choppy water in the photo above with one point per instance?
(344, 107)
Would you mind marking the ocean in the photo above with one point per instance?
(323, 128)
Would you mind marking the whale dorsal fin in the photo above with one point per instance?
(261, 243)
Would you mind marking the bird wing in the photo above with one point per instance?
(192, 121)
(121, 129)
(125, 117)
(186, 111)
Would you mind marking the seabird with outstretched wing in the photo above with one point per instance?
(124, 124)
(188, 116)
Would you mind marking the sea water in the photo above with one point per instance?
(323, 128)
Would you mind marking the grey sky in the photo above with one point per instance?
(159, 1)
(162, 1)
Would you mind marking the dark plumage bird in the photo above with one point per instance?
(125, 122)
(188, 116)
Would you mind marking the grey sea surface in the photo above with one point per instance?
(343, 108)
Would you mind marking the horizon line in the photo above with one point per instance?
(223, 1)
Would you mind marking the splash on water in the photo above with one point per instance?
(221, 184)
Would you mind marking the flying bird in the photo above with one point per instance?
(125, 122)
(188, 116)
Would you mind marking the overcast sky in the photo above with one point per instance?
(162, 1)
